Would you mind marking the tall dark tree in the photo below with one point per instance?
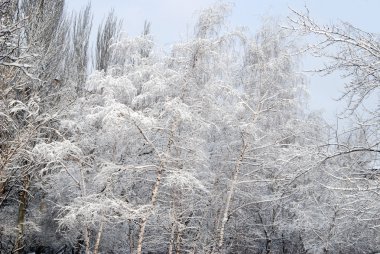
(108, 33)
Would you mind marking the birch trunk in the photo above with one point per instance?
(229, 198)
(154, 195)
(160, 171)
(87, 240)
(98, 237)
(153, 203)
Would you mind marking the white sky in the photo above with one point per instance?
(172, 20)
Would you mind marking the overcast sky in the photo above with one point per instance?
(172, 20)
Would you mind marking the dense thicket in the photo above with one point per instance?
(205, 149)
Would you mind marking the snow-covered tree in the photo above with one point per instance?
(206, 148)
(349, 158)
(35, 46)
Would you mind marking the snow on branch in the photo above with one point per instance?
(94, 208)
(350, 50)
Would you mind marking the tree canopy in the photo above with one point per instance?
(206, 148)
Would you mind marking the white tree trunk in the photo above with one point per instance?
(229, 197)
(98, 237)
(153, 203)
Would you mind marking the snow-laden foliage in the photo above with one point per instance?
(206, 148)
(56, 151)
(96, 208)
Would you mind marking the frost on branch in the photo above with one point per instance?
(96, 208)
(211, 19)
(351, 51)
(56, 153)
(119, 89)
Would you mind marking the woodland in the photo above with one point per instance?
(116, 146)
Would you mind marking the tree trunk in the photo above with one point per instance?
(2, 183)
(172, 235)
(97, 243)
(84, 193)
(156, 186)
(229, 198)
(23, 198)
(178, 241)
(268, 240)
(141, 235)
(153, 203)
(87, 240)
(78, 245)
(130, 237)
